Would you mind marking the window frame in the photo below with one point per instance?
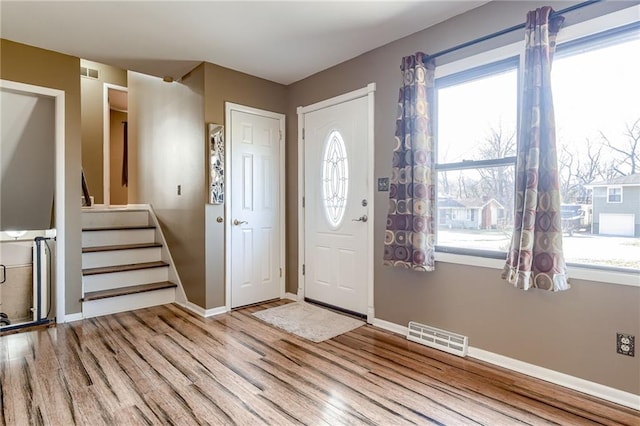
(570, 38)
(609, 194)
(486, 68)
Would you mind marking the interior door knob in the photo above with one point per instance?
(239, 222)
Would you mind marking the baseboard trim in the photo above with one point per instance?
(72, 317)
(389, 326)
(597, 390)
(581, 385)
(291, 296)
(204, 312)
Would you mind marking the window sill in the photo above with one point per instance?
(578, 272)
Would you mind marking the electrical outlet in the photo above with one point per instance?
(625, 344)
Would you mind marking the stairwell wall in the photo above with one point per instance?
(166, 148)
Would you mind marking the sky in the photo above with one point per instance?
(597, 91)
(594, 91)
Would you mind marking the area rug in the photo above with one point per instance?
(309, 321)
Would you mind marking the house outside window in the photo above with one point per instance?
(614, 194)
(595, 88)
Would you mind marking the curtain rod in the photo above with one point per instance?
(507, 30)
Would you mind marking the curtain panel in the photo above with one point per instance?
(410, 230)
(535, 257)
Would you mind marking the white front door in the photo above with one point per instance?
(338, 205)
(256, 211)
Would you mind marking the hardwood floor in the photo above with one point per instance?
(164, 365)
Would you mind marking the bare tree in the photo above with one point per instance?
(443, 183)
(627, 150)
(566, 164)
(497, 144)
(497, 182)
(580, 165)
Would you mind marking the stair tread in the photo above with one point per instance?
(120, 247)
(123, 291)
(114, 210)
(123, 268)
(118, 228)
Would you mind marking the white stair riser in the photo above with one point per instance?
(120, 257)
(112, 305)
(124, 279)
(96, 219)
(108, 238)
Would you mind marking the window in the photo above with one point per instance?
(471, 215)
(335, 178)
(595, 94)
(614, 195)
(476, 137)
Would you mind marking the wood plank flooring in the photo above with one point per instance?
(164, 365)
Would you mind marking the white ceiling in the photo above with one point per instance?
(282, 41)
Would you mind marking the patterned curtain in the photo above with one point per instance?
(410, 239)
(535, 256)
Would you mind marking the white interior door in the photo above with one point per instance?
(337, 205)
(255, 207)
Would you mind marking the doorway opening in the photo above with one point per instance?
(32, 205)
(116, 147)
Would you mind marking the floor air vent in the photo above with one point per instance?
(439, 339)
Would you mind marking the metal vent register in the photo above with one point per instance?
(438, 339)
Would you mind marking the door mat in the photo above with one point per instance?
(309, 321)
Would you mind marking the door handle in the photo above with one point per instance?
(362, 218)
(4, 274)
(237, 222)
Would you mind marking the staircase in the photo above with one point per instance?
(125, 262)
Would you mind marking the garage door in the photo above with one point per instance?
(617, 224)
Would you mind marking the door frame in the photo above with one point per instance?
(106, 140)
(59, 191)
(229, 108)
(367, 91)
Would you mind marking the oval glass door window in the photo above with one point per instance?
(335, 178)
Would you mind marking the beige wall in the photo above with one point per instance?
(92, 123)
(26, 64)
(118, 192)
(572, 332)
(225, 85)
(167, 150)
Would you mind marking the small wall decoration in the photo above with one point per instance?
(216, 164)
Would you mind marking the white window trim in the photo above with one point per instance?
(569, 33)
(578, 272)
(609, 188)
